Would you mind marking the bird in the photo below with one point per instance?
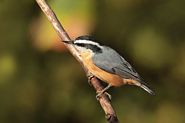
(107, 64)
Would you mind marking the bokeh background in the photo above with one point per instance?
(40, 81)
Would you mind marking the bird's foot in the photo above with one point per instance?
(99, 94)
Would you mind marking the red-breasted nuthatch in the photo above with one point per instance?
(106, 64)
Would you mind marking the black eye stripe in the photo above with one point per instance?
(80, 44)
(90, 46)
(86, 45)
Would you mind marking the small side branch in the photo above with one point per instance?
(104, 101)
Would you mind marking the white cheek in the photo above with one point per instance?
(81, 49)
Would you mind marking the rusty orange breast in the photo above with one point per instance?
(109, 78)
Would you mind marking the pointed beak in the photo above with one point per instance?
(69, 42)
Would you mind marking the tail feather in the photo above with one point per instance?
(147, 89)
(141, 84)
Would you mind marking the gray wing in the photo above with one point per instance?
(112, 62)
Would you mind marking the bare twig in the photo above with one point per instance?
(104, 101)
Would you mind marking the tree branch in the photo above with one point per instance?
(103, 100)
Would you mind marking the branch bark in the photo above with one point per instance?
(103, 100)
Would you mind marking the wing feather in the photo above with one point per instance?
(112, 62)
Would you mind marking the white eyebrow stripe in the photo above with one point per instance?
(87, 42)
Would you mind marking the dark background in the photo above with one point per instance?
(40, 82)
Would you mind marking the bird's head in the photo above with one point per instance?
(85, 44)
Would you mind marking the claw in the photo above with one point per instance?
(99, 94)
(108, 95)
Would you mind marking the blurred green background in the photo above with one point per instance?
(40, 82)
